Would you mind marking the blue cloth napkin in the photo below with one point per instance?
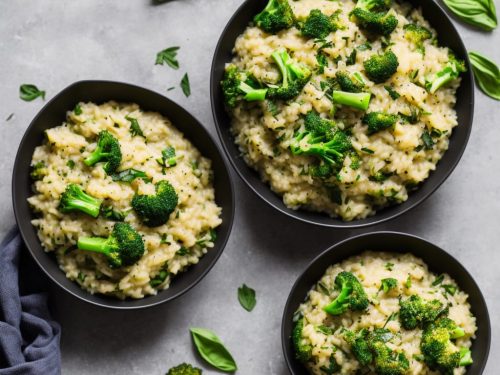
(29, 338)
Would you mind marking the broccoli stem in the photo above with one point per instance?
(441, 81)
(335, 307)
(252, 94)
(96, 244)
(465, 357)
(359, 100)
(95, 157)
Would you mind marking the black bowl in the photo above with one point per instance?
(53, 114)
(438, 260)
(448, 36)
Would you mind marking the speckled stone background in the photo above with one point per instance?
(53, 43)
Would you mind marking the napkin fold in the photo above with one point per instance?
(29, 338)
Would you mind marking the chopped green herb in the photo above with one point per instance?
(438, 280)
(168, 158)
(351, 59)
(428, 141)
(168, 56)
(70, 164)
(129, 175)
(135, 129)
(367, 150)
(110, 213)
(324, 330)
(78, 110)
(392, 93)
(388, 284)
(323, 288)
(182, 251)
(389, 266)
(159, 278)
(408, 282)
(450, 289)
(391, 317)
(81, 277)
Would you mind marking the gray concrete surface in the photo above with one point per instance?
(53, 43)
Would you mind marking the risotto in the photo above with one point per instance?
(391, 283)
(152, 150)
(380, 166)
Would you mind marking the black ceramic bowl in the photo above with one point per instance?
(448, 36)
(53, 114)
(438, 260)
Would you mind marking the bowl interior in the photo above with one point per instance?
(53, 114)
(438, 261)
(448, 36)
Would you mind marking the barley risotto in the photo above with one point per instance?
(342, 107)
(384, 313)
(123, 199)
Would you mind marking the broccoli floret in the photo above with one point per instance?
(184, 369)
(108, 150)
(417, 34)
(123, 247)
(318, 25)
(322, 139)
(276, 16)
(379, 68)
(377, 121)
(414, 311)
(352, 295)
(348, 84)
(449, 73)
(387, 361)
(293, 77)
(154, 210)
(375, 5)
(359, 346)
(386, 285)
(369, 347)
(75, 199)
(303, 351)
(379, 23)
(440, 353)
(358, 100)
(238, 85)
(38, 171)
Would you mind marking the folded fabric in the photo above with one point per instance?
(29, 338)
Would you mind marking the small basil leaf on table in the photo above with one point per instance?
(212, 350)
(246, 296)
(479, 13)
(487, 74)
(168, 56)
(186, 88)
(28, 92)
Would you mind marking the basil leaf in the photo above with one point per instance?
(129, 175)
(78, 110)
(29, 92)
(212, 350)
(480, 13)
(168, 56)
(246, 296)
(487, 74)
(186, 88)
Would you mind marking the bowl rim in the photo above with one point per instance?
(336, 222)
(34, 254)
(285, 336)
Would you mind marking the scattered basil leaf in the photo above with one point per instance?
(186, 89)
(212, 350)
(129, 175)
(391, 317)
(28, 92)
(351, 59)
(81, 277)
(168, 158)
(135, 128)
(428, 141)
(78, 110)
(389, 266)
(246, 296)
(168, 56)
(182, 251)
(487, 74)
(70, 164)
(480, 13)
(367, 150)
